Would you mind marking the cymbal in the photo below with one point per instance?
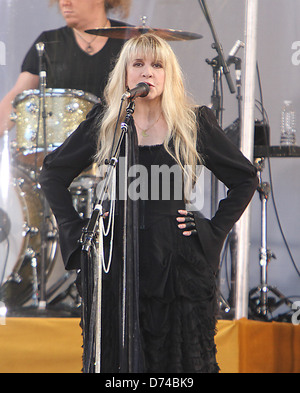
(127, 32)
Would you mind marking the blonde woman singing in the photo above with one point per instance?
(175, 251)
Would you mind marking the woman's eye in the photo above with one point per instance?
(157, 65)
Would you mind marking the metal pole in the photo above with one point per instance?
(263, 258)
(98, 327)
(247, 146)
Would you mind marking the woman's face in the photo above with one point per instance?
(79, 13)
(146, 69)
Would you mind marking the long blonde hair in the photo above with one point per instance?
(177, 108)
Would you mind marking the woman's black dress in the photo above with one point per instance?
(177, 287)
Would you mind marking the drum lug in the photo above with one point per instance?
(14, 149)
(29, 230)
(32, 108)
(73, 107)
(15, 277)
(52, 235)
(30, 253)
(18, 182)
(26, 230)
(13, 116)
(33, 136)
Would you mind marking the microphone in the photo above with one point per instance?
(235, 60)
(40, 47)
(142, 89)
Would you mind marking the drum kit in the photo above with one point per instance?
(22, 213)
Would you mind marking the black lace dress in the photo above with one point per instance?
(177, 287)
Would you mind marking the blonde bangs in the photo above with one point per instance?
(149, 48)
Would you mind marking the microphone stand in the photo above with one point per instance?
(89, 238)
(233, 237)
(218, 64)
(219, 49)
(216, 107)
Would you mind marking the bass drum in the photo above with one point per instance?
(21, 219)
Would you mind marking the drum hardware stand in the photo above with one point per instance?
(52, 290)
(35, 281)
(263, 305)
(40, 47)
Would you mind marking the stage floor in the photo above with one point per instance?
(53, 345)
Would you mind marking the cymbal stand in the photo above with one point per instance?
(46, 209)
(263, 305)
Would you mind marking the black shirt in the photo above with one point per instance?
(68, 66)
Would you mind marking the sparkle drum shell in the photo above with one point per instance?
(65, 109)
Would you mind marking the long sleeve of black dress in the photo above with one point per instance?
(229, 166)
